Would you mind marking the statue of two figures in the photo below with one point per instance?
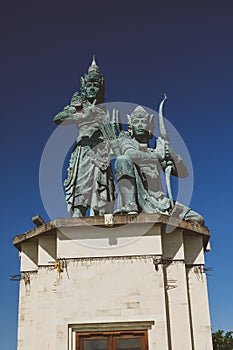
(90, 185)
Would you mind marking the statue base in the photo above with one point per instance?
(121, 279)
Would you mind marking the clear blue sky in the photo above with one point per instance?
(143, 49)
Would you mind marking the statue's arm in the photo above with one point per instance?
(171, 158)
(66, 115)
(130, 148)
(179, 169)
(142, 157)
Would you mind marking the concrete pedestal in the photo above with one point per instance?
(79, 275)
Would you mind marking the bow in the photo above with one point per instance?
(169, 163)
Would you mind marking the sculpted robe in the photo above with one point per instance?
(90, 181)
(135, 163)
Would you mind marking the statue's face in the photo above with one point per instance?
(92, 89)
(139, 126)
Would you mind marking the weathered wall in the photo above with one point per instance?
(114, 279)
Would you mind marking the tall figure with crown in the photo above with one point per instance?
(90, 183)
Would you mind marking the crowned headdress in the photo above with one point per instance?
(140, 112)
(93, 74)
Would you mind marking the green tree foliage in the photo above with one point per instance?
(222, 340)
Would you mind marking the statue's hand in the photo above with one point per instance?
(64, 115)
(165, 164)
(167, 153)
(96, 113)
(114, 144)
(93, 108)
(160, 150)
(169, 163)
(168, 159)
(155, 156)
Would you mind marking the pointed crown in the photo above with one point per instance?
(93, 74)
(140, 112)
(93, 67)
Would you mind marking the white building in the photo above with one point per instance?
(136, 285)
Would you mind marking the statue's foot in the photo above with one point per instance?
(79, 212)
(196, 220)
(194, 217)
(130, 209)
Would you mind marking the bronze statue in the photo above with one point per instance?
(90, 183)
(138, 168)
